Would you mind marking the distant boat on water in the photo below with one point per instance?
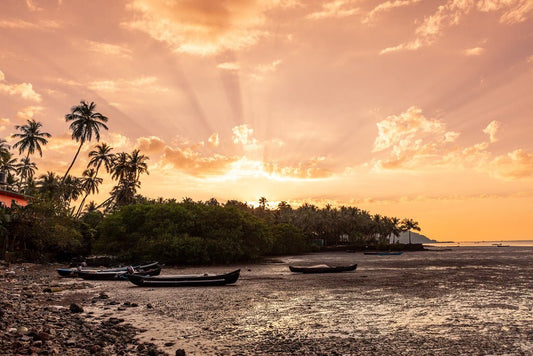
(383, 253)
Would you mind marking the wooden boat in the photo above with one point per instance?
(383, 253)
(152, 268)
(185, 280)
(322, 268)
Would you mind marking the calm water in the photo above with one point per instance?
(515, 243)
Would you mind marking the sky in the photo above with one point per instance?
(417, 109)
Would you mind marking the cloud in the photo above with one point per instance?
(32, 7)
(142, 84)
(196, 164)
(476, 51)
(491, 130)
(243, 135)
(214, 140)
(28, 112)
(25, 25)
(451, 13)
(24, 90)
(229, 66)
(202, 27)
(303, 170)
(514, 11)
(335, 9)
(387, 6)
(4, 123)
(109, 49)
(151, 144)
(515, 165)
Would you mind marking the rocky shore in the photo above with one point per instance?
(37, 318)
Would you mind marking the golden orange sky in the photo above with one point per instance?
(406, 108)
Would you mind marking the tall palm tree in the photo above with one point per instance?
(4, 148)
(8, 167)
(120, 169)
(410, 224)
(31, 138)
(85, 123)
(101, 155)
(89, 184)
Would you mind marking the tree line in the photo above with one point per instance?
(60, 224)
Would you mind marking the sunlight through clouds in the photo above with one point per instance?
(24, 90)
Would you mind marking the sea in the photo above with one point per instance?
(501, 243)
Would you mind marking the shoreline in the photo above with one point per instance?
(472, 300)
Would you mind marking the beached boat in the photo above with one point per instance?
(383, 253)
(152, 268)
(322, 268)
(185, 280)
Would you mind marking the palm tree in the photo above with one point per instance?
(137, 164)
(85, 123)
(4, 148)
(8, 166)
(101, 155)
(26, 169)
(410, 224)
(120, 169)
(31, 138)
(89, 184)
(48, 184)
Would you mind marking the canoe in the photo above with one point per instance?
(383, 253)
(109, 273)
(185, 280)
(322, 268)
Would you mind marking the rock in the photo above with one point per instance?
(75, 308)
(95, 349)
(180, 352)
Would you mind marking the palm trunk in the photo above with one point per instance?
(74, 160)
(81, 205)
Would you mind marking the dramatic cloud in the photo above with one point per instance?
(202, 27)
(188, 160)
(28, 112)
(304, 170)
(24, 90)
(335, 9)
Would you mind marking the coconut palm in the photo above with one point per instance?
(85, 123)
(408, 225)
(8, 167)
(120, 169)
(89, 184)
(48, 184)
(101, 155)
(4, 148)
(137, 164)
(26, 169)
(31, 138)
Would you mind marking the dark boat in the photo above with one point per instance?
(152, 268)
(383, 253)
(185, 280)
(323, 268)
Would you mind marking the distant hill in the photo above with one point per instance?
(416, 238)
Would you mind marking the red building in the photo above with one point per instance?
(7, 198)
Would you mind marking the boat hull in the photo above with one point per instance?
(184, 280)
(152, 269)
(322, 269)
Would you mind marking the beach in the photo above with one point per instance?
(470, 300)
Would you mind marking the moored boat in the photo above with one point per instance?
(184, 280)
(152, 268)
(322, 268)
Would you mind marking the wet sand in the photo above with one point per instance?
(471, 301)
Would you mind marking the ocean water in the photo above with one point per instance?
(514, 243)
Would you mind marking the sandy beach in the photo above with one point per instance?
(467, 301)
